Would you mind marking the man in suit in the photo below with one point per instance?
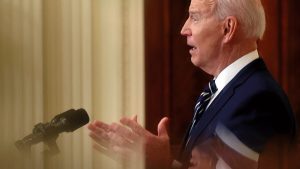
(243, 97)
(223, 37)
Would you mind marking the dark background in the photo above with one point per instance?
(173, 83)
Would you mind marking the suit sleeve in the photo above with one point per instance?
(258, 119)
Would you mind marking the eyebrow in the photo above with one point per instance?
(194, 12)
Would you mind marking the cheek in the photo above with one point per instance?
(210, 40)
(207, 35)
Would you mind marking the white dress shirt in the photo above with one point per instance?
(231, 71)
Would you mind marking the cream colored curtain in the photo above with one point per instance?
(21, 79)
(62, 54)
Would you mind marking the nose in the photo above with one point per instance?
(185, 30)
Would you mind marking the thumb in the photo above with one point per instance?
(134, 118)
(162, 127)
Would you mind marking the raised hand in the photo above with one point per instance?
(119, 141)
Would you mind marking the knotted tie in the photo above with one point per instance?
(202, 103)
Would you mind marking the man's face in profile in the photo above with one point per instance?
(204, 33)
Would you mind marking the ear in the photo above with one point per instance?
(229, 28)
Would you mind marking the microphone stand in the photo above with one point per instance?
(52, 145)
(39, 134)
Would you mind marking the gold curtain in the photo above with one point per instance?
(62, 54)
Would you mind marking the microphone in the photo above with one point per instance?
(48, 132)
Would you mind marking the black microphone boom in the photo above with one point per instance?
(48, 132)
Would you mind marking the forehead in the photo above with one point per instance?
(202, 6)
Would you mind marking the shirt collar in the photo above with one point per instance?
(230, 71)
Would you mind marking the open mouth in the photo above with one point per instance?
(191, 45)
(193, 49)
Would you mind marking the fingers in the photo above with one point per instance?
(100, 137)
(134, 118)
(124, 132)
(193, 160)
(99, 124)
(117, 140)
(113, 135)
(162, 128)
(103, 150)
(134, 126)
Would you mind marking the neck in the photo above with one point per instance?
(231, 53)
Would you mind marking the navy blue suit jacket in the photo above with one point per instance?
(252, 106)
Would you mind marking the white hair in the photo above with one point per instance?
(249, 13)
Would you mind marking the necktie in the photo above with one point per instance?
(202, 103)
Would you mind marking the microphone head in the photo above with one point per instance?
(70, 120)
(76, 119)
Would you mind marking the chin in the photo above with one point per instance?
(199, 64)
(195, 61)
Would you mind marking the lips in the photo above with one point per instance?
(190, 43)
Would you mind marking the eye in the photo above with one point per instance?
(195, 17)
